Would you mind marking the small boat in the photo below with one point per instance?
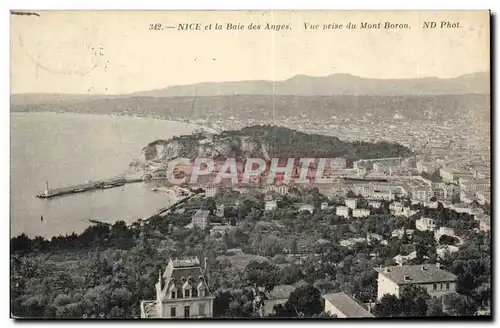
(99, 222)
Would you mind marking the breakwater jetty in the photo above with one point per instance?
(87, 186)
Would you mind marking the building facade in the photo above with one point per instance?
(425, 224)
(270, 205)
(181, 292)
(437, 282)
(342, 211)
(351, 203)
(210, 191)
(360, 212)
(201, 219)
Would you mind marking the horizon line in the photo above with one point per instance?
(249, 80)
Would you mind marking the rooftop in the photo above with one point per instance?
(345, 304)
(183, 270)
(186, 262)
(416, 274)
(202, 213)
(281, 292)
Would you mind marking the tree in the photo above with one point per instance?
(389, 306)
(446, 240)
(350, 194)
(304, 301)
(210, 205)
(456, 305)
(290, 275)
(121, 235)
(20, 243)
(324, 315)
(414, 301)
(435, 307)
(425, 245)
(294, 248)
(261, 274)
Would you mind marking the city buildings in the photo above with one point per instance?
(396, 208)
(281, 189)
(371, 237)
(375, 191)
(351, 203)
(343, 306)
(201, 219)
(279, 295)
(426, 166)
(483, 197)
(399, 233)
(352, 241)
(337, 163)
(447, 174)
(443, 231)
(360, 212)
(420, 190)
(484, 221)
(342, 211)
(425, 224)
(368, 163)
(270, 205)
(219, 230)
(437, 282)
(443, 250)
(403, 259)
(210, 191)
(306, 207)
(181, 292)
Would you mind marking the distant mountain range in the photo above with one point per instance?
(299, 85)
(333, 85)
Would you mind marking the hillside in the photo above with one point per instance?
(261, 142)
(299, 85)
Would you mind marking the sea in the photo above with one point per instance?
(64, 149)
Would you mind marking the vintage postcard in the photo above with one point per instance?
(250, 164)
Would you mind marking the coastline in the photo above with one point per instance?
(114, 116)
(73, 168)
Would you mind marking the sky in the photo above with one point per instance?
(115, 52)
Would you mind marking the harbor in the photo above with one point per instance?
(87, 186)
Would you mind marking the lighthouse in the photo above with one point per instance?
(46, 191)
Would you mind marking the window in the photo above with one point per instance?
(173, 295)
(195, 292)
(186, 312)
(201, 309)
(201, 292)
(172, 312)
(186, 293)
(447, 285)
(435, 286)
(441, 287)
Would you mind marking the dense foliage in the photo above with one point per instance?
(107, 270)
(287, 143)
